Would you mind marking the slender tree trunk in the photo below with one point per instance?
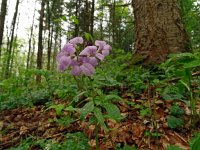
(92, 18)
(101, 24)
(2, 20)
(77, 16)
(49, 36)
(113, 22)
(159, 30)
(32, 57)
(14, 47)
(9, 51)
(55, 49)
(30, 42)
(40, 44)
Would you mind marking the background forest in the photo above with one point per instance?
(144, 95)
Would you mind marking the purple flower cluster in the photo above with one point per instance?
(86, 61)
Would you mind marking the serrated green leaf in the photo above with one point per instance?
(99, 116)
(86, 109)
(112, 111)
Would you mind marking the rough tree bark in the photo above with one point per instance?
(40, 45)
(159, 30)
(2, 20)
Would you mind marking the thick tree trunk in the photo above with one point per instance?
(2, 20)
(159, 30)
(40, 45)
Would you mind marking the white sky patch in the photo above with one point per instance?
(25, 14)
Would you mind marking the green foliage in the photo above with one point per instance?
(172, 93)
(195, 141)
(73, 141)
(74, 20)
(174, 122)
(58, 107)
(175, 110)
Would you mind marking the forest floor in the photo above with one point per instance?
(144, 131)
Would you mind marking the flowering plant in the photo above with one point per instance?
(84, 62)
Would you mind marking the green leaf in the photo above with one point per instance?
(192, 64)
(99, 116)
(86, 109)
(58, 108)
(171, 93)
(66, 121)
(174, 122)
(70, 108)
(112, 97)
(196, 145)
(64, 18)
(76, 98)
(112, 111)
(88, 36)
(145, 112)
(74, 19)
(175, 110)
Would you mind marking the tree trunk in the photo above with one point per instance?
(113, 22)
(77, 5)
(159, 30)
(2, 20)
(50, 32)
(40, 45)
(92, 18)
(29, 42)
(10, 46)
(53, 66)
(86, 17)
(13, 53)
